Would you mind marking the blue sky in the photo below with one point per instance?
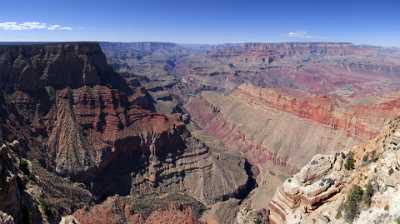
(374, 22)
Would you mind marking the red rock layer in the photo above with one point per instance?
(117, 209)
(208, 117)
(98, 119)
(360, 120)
(322, 109)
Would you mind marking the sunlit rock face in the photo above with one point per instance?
(320, 191)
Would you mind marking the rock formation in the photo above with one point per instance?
(321, 191)
(16, 199)
(276, 104)
(85, 123)
(5, 218)
(183, 129)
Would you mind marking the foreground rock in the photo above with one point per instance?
(5, 218)
(322, 190)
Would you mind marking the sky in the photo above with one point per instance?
(373, 22)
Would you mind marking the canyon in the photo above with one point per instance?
(171, 133)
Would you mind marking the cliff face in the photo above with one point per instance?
(32, 67)
(263, 133)
(361, 120)
(324, 190)
(16, 199)
(81, 120)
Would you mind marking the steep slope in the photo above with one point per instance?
(263, 132)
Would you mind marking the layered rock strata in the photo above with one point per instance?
(82, 121)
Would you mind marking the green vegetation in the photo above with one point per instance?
(352, 204)
(50, 211)
(369, 192)
(259, 220)
(349, 163)
(24, 167)
(355, 197)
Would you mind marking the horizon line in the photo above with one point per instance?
(200, 44)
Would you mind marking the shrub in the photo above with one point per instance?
(258, 220)
(369, 192)
(50, 211)
(24, 166)
(349, 163)
(352, 204)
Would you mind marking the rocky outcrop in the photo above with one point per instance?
(320, 191)
(317, 182)
(5, 218)
(15, 198)
(32, 67)
(71, 152)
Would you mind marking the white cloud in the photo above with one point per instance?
(14, 26)
(299, 35)
(58, 27)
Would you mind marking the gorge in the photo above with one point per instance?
(171, 133)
